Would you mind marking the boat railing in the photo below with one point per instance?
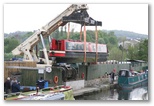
(137, 78)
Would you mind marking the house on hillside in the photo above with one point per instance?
(128, 43)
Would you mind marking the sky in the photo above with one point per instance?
(30, 17)
(11, 21)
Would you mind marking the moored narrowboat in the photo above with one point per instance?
(127, 80)
(50, 93)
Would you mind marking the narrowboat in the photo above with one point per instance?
(72, 51)
(50, 93)
(128, 80)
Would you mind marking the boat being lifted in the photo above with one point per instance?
(68, 51)
(65, 51)
(62, 51)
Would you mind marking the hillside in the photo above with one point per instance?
(118, 33)
(128, 34)
(17, 33)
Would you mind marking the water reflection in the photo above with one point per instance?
(123, 94)
(114, 94)
(135, 94)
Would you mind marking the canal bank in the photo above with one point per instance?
(97, 87)
(140, 93)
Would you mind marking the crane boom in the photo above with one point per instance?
(26, 47)
(76, 13)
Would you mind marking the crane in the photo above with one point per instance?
(75, 13)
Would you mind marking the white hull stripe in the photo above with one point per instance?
(57, 51)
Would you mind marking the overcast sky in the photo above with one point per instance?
(127, 17)
(29, 17)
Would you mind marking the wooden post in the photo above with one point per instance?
(68, 33)
(96, 38)
(85, 44)
(81, 33)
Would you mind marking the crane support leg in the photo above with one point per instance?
(96, 38)
(27, 56)
(81, 33)
(45, 50)
(85, 44)
(68, 33)
(49, 39)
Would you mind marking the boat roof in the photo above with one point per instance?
(124, 69)
(139, 61)
(135, 72)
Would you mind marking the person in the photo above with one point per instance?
(132, 72)
(15, 85)
(40, 83)
(7, 86)
(112, 75)
(40, 62)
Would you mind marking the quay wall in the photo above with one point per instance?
(28, 77)
(95, 71)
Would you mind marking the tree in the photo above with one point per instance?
(121, 47)
(115, 54)
(143, 50)
(111, 33)
(122, 50)
(132, 52)
(113, 40)
(101, 41)
(106, 40)
(24, 37)
(91, 35)
(139, 51)
(75, 36)
(55, 34)
(7, 56)
(10, 44)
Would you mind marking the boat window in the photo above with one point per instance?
(122, 73)
(127, 74)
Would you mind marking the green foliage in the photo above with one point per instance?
(24, 37)
(143, 50)
(113, 40)
(109, 38)
(10, 44)
(116, 54)
(106, 40)
(75, 36)
(139, 52)
(90, 36)
(59, 35)
(132, 52)
(111, 33)
(7, 56)
(101, 41)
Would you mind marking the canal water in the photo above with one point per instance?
(140, 93)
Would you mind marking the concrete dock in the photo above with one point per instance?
(88, 90)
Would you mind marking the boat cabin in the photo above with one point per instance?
(128, 80)
(124, 73)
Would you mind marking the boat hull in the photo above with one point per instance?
(132, 81)
(129, 86)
